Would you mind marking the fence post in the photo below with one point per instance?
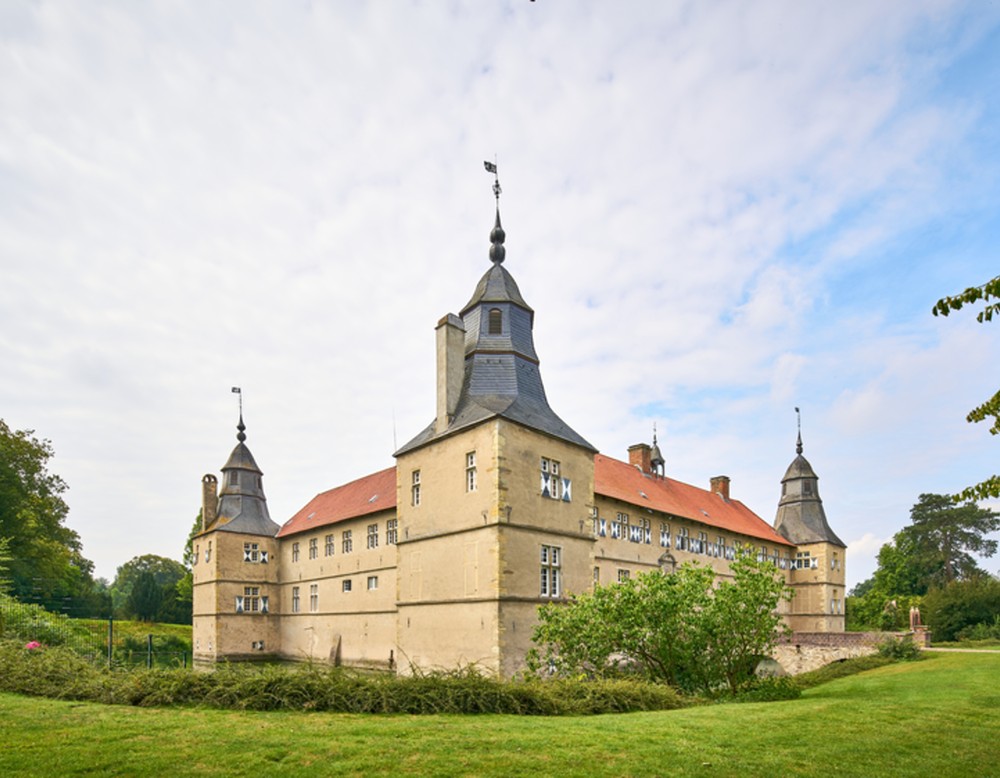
(149, 651)
(111, 638)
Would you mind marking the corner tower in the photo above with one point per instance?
(235, 568)
(493, 496)
(818, 570)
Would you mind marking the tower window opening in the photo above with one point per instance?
(495, 326)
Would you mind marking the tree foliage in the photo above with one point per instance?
(684, 629)
(46, 564)
(938, 548)
(989, 294)
(165, 574)
(145, 597)
(953, 609)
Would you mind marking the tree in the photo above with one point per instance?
(145, 597)
(682, 629)
(991, 408)
(165, 572)
(47, 563)
(961, 605)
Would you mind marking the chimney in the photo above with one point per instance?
(450, 368)
(639, 456)
(209, 501)
(720, 486)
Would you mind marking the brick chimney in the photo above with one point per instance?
(639, 456)
(209, 501)
(450, 368)
(720, 485)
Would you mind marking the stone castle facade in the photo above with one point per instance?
(496, 507)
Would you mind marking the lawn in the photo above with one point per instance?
(937, 717)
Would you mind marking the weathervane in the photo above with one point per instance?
(241, 427)
(798, 417)
(491, 167)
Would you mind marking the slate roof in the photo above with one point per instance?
(625, 482)
(243, 506)
(501, 377)
(800, 516)
(371, 494)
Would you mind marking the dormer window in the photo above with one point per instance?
(496, 322)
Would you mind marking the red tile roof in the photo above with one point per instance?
(612, 478)
(625, 482)
(371, 494)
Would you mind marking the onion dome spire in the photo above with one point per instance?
(798, 443)
(497, 236)
(241, 434)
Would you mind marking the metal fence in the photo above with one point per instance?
(102, 640)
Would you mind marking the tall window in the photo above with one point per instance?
(313, 598)
(664, 535)
(328, 545)
(313, 548)
(551, 564)
(415, 489)
(702, 543)
(347, 544)
(496, 322)
(552, 483)
(683, 541)
(295, 599)
(372, 536)
(295, 552)
(390, 532)
(470, 471)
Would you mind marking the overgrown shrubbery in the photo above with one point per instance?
(684, 629)
(60, 673)
(842, 669)
(900, 649)
(962, 605)
(24, 621)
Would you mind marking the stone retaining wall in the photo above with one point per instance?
(801, 652)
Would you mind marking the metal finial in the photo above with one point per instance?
(241, 427)
(798, 442)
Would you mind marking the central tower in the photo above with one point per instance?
(494, 496)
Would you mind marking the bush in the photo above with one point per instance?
(21, 621)
(981, 631)
(900, 649)
(60, 673)
(770, 689)
(962, 605)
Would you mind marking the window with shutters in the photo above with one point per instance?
(553, 484)
(251, 601)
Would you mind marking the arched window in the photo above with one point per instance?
(496, 322)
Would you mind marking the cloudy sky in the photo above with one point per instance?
(718, 210)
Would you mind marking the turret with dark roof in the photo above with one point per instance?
(501, 374)
(801, 518)
(242, 504)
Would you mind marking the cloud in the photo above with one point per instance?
(703, 203)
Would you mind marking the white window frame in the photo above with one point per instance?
(296, 603)
(415, 489)
(551, 571)
(372, 538)
(347, 541)
(391, 531)
(470, 472)
(372, 583)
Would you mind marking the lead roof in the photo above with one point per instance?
(501, 377)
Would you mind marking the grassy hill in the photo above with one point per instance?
(938, 717)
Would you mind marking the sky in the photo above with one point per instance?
(720, 211)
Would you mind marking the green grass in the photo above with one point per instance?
(937, 717)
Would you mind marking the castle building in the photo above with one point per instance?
(496, 507)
